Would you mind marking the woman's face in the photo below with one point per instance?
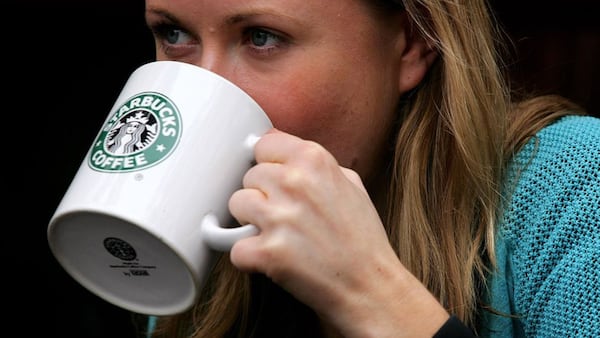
(132, 127)
(323, 70)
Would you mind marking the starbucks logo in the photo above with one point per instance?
(141, 133)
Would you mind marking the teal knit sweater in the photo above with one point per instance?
(548, 242)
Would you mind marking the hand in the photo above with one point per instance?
(320, 236)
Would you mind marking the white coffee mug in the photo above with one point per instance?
(147, 212)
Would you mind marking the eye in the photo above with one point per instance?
(263, 41)
(172, 42)
(260, 37)
(170, 34)
(175, 36)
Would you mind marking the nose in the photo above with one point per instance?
(216, 59)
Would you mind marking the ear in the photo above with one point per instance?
(416, 56)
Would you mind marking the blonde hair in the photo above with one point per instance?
(448, 160)
(458, 132)
(455, 136)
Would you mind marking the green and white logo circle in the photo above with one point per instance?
(140, 133)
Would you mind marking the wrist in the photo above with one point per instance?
(391, 303)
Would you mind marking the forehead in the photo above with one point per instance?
(291, 8)
(335, 18)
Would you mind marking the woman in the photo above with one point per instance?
(131, 134)
(391, 195)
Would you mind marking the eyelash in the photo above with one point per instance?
(163, 30)
(279, 43)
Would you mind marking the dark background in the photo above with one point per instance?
(68, 60)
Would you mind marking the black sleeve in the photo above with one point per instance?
(454, 328)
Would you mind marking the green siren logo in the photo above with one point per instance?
(140, 133)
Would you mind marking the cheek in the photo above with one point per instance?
(345, 118)
(301, 108)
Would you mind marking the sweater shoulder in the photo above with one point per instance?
(550, 229)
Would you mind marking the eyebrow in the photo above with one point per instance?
(237, 18)
(162, 13)
(229, 20)
(254, 12)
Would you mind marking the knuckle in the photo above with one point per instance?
(294, 178)
(313, 152)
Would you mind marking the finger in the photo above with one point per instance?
(247, 206)
(273, 147)
(279, 147)
(245, 254)
(262, 176)
(263, 253)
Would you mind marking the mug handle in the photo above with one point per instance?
(220, 238)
